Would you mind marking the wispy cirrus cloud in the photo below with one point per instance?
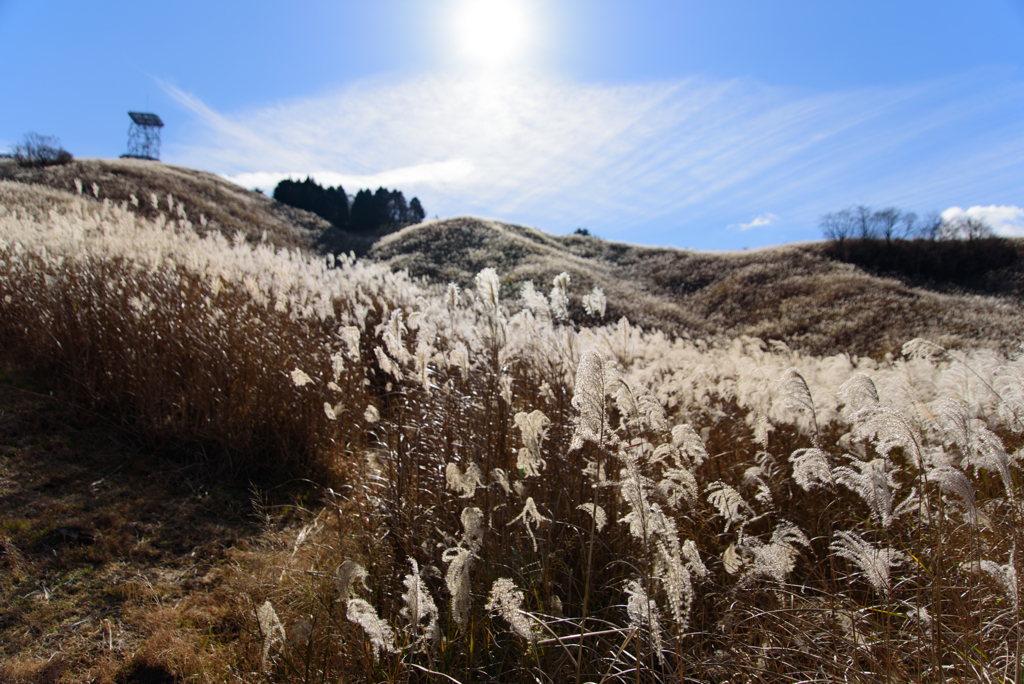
(690, 154)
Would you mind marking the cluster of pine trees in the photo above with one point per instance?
(368, 210)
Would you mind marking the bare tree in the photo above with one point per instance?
(40, 150)
(965, 228)
(863, 223)
(885, 222)
(909, 223)
(976, 229)
(838, 225)
(864, 220)
(930, 227)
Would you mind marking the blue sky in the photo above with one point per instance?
(711, 125)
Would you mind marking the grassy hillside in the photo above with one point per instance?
(225, 206)
(865, 299)
(221, 460)
(802, 295)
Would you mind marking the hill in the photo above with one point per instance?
(862, 301)
(224, 205)
(799, 294)
(220, 460)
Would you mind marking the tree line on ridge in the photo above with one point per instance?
(367, 212)
(961, 254)
(863, 223)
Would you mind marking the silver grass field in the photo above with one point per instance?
(497, 492)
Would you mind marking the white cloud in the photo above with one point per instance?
(1007, 221)
(758, 222)
(549, 152)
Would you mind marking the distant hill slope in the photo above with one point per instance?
(797, 294)
(226, 206)
(804, 295)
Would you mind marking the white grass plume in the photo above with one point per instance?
(465, 483)
(595, 302)
(874, 563)
(534, 301)
(531, 517)
(460, 562)
(588, 399)
(419, 606)
(644, 616)
(776, 559)
(534, 428)
(952, 480)
(874, 482)
(271, 629)
(690, 444)
(638, 405)
(888, 428)
(488, 286)
(346, 574)
(1005, 576)
(859, 392)
(560, 297)
(729, 503)
(649, 524)
(473, 528)
(452, 297)
(811, 468)
(761, 429)
(796, 394)
(986, 452)
(596, 512)
(381, 636)
(392, 333)
(300, 379)
(501, 477)
(507, 600)
(678, 484)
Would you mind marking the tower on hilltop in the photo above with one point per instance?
(144, 136)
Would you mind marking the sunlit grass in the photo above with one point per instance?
(499, 494)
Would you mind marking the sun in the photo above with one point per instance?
(492, 32)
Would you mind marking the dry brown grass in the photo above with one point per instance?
(796, 294)
(129, 561)
(106, 549)
(227, 207)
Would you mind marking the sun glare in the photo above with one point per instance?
(492, 32)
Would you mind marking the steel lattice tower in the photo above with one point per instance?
(144, 136)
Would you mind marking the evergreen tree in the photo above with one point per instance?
(328, 203)
(364, 215)
(382, 206)
(416, 212)
(398, 211)
(337, 200)
(369, 210)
